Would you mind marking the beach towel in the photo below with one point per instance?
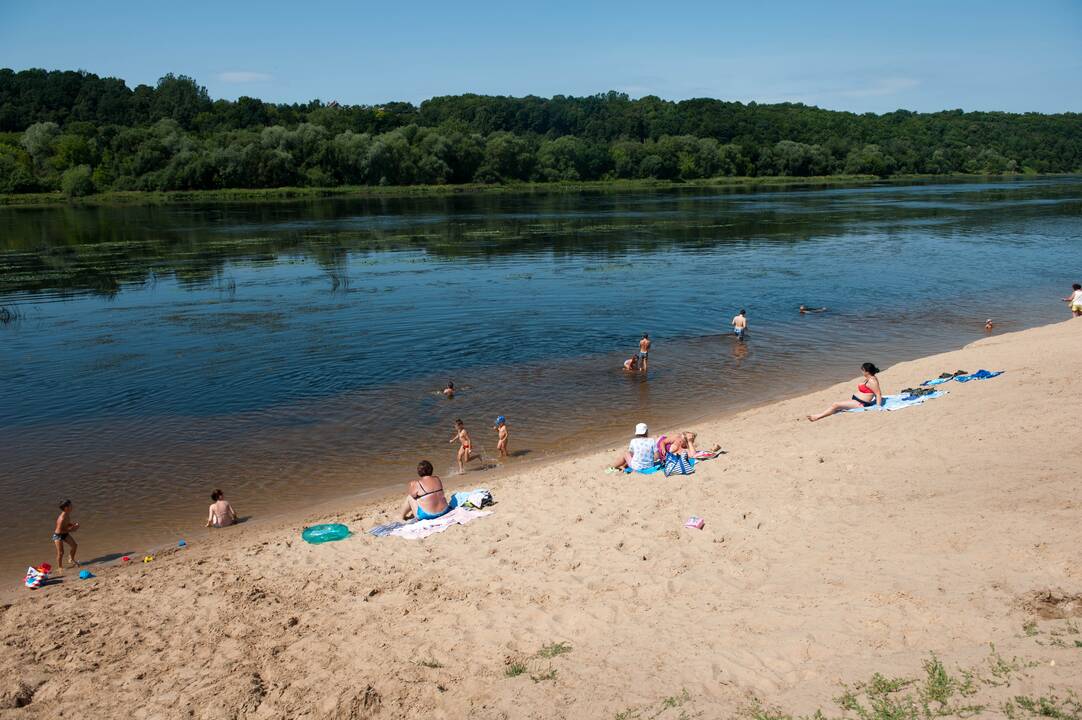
(897, 402)
(385, 529)
(944, 378)
(423, 528)
(645, 471)
(979, 375)
(708, 454)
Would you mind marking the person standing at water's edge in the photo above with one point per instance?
(465, 451)
(868, 394)
(62, 534)
(501, 435)
(644, 352)
(1074, 300)
(740, 324)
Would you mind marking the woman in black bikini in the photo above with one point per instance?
(868, 394)
(424, 496)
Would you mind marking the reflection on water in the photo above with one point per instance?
(293, 351)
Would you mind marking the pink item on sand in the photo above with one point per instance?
(695, 523)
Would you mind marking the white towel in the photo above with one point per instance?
(424, 528)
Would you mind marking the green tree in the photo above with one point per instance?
(77, 181)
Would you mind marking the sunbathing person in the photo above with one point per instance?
(868, 395)
(682, 443)
(641, 451)
(425, 499)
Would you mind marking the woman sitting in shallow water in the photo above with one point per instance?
(868, 395)
(425, 499)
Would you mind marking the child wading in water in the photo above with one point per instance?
(62, 534)
(465, 452)
(501, 432)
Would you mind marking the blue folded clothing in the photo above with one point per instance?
(979, 375)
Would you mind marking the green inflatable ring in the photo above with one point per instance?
(325, 533)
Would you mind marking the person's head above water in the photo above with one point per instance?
(217, 495)
(1076, 286)
(870, 369)
(424, 468)
(459, 423)
(743, 311)
(500, 420)
(645, 336)
(450, 385)
(65, 504)
(641, 429)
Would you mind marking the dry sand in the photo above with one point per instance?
(832, 551)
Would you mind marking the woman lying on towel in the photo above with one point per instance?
(868, 394)
(682, 443)
(424, 496)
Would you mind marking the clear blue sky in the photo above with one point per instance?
(862, 56)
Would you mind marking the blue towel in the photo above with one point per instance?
(897, 402)
(979, 375)
(937, 381)
(646, 471)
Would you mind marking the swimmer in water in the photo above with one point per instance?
(449, 391)
(988, 324)
(804, 310)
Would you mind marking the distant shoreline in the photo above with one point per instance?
(140, 197)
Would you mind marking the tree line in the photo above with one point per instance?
(80, 133)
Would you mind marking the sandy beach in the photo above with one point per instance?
(865, 543)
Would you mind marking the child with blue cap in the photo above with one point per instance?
(501, 430)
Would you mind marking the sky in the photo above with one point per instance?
(1018, 56)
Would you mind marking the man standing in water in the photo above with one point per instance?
(740, 324)
(644, 352)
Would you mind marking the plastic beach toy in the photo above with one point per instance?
(148, 558)
(125, 559)
(181, 543)
(85, 574)
(695, 523)
(318, 534)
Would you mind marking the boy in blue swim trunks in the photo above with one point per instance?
(65, 526)
(644, 352)
(740, 325)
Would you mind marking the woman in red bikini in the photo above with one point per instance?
(868, 394)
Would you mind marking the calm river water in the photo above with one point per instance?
(292, 352)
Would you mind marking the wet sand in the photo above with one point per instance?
(831, 551)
